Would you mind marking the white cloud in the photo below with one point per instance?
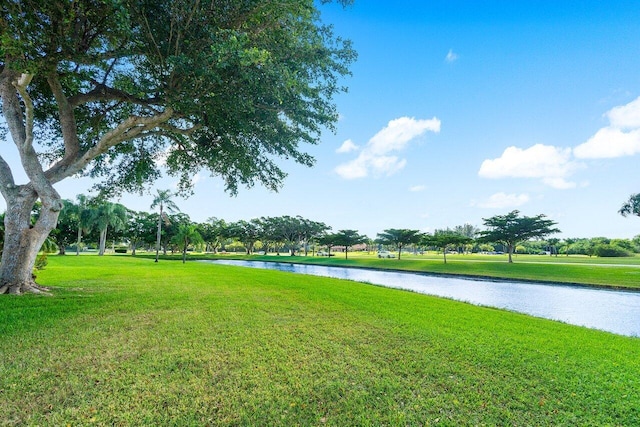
(620, 138)
(353, 170)
(609, 142)
(625, 116)
(399, 132)
(347, 147)
(417, 188)
(375, 158)
(553, 165)
(503, 200)
(559, 183)
(451, 57)
(550, 164)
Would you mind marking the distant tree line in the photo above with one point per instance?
(90, 224)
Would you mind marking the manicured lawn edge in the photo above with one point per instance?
(614, 277)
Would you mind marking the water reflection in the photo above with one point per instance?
(608, 310)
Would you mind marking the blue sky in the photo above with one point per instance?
(461, 110)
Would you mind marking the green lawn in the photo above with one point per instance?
(602, 272)
(125, 341)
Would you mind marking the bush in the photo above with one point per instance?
(607, 250)
(41, 261)
(121, 250)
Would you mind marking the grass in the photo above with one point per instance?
(125, 341)
(621, 273)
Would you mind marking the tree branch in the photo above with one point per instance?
(7, 183)
(179, 131)
(131, 128)
(28, 155)
(67, 120)
(102, 92)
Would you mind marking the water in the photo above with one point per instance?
(608, 310)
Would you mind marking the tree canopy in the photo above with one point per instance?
(128, 85)
(399, 238)
(348, 238)
(121, 89)
(511, 229)
(443, 239)
(631, 206)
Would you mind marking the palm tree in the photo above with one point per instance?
(162, 201)
(187, 235)
(84, 214)
(109, 214)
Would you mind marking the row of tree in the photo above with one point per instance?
(87, 222)
(96, 222)
(93, 223)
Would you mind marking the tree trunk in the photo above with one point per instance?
(159, 235)
(444, 253)
(510, 251)
(79, 240)
(22, 242)
(103, 241)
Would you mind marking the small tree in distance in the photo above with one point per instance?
(399, 238)
(511, 229)
(444, 238)
(348, 238)
(163, 202)
(187, 235)
(328, 240)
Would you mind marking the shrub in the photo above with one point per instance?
(41, 261)
(608, 250)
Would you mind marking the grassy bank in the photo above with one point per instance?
(604, 272)
(587, 273)
(125, 341)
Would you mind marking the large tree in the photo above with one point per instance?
(248, 232)
(141, 229)
(511, 229)
(214, 232)
(290, 231)
(117, 88)
(311, 231)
